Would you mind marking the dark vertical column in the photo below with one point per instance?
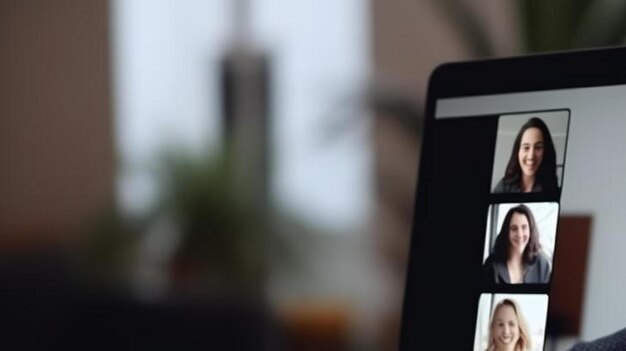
(246, 120)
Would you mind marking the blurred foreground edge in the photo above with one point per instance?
(44, 308)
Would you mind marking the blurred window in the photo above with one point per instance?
(166, 58)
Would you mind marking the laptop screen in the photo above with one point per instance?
(497, 172)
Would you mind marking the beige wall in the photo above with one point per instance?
(411, 37)
(56, 153)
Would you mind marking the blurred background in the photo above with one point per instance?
(230, 174)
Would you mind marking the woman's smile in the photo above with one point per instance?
(531, 151)
(506, 327)
(519, 232)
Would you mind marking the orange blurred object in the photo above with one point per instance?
(316, 327)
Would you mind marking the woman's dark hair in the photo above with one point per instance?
(546, 173)
(503, 243)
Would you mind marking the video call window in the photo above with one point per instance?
(530, 152)
(504, 320)
(519, 243)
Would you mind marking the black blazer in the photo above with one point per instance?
(537, 272)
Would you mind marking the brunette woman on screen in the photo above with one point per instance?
(516, 257)
(532, 165)
(508, 330)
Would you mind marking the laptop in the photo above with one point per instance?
(510, 146)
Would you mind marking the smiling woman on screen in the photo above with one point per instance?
(508, 330)
(532, 164)
(516, 257)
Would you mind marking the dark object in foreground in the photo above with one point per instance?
(615, 341)
(43, 308)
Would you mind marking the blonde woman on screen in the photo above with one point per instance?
(508, 330)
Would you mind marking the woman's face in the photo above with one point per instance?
(530, 152)
(505, 328)
(519, 232)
